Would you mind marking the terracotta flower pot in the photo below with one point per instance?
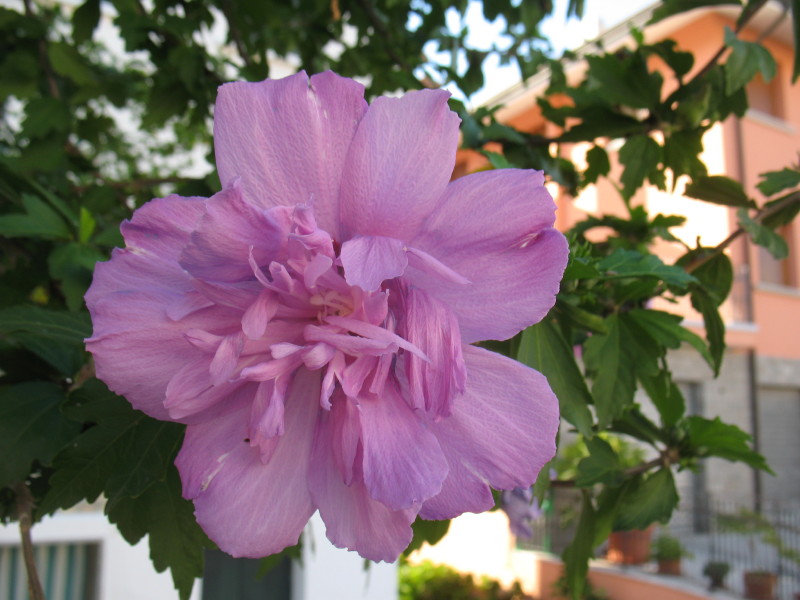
(629, 547)
(669, 566)
(760, 585)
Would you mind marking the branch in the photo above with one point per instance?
(25, 516)
(760, 216)
(667, 458)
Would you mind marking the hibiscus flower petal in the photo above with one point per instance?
(353, 519)
(403, 463)
(507, 250)
(369, 260)
(502, 429)
(287, 139)
(219, 247)
(399, 164)
(247, 507)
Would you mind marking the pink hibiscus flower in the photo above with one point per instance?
(311, 323)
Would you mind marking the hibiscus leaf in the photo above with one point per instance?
(630, 263)
(653, 500)
(612, 374)
(544, 348)
(122, 454)
(581, 549)
(665, 329)
(773, 182)
(601, 466)
(426, 531)
(53, 335)
(32, 427)
(715, 438)
(666, 396)
(176, 541)
(706, 305)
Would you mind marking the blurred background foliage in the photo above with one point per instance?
(107, 104)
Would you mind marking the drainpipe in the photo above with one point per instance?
(749, 314)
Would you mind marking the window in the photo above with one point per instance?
(67, 571)
(765, 97)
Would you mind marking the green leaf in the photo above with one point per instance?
(682, 154)
(574, 316)
(706, 305)
(38, 220)
(746, 59)
(653, 500)
(776, 181)
(715, 274)
(598, 164)
(601, 466)
(640, 156)
(32, 428)
(580, 551)
(715, 438)
(763, 236)
(292, 552)
(612, 374)
(719, 190)
(785, 214)
(544, 348)
(44, 116)
(631, 263)
(85, 20)
(666, 329)
(72, 264)
(666, 396)
(55, 336)
(86, 225)
(123, 454)
(426, 532)
(68, 62)
(176, 541)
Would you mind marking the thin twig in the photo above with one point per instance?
(25, 516)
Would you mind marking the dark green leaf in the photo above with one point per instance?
(640, 156)
(601, 466)
(72, 264)
(773, 182)
(38, 220)
(123, 454)
(176, 541)
(682, 154)
(55, 336)
(746, 59)
(612, 374)
(666, 396)
(715, 438)
(32, 428)
(426, 532)
(653, 500)
(598, 164)
(763, 236)
(68, 62)
(719, 190)
(630, 263)
(715, 274)
(44, 116)
(545, 349)
(580, 551)
(84, 20)
(783, 210)
(666, 330)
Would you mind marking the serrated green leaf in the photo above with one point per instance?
(601, 466)
(44, 116)
(718, 189)
(682, 154)
(714, 438)
(176, 541)
(32, 428)
(666, 396)
(763, 236)
(612, 374)
(598, 164)
(55, 336)
(653, 500)
(426, 532)
(746, 59)
(543, 348)
(580, 551)
(631, 263)
(68, 62)
(715, 274)
(640, 155)
(122, 454)
(790, 206)
(38, 220)
(706, 305)
(84, 20)
(666, 329)
(773, 182)
(72, 264)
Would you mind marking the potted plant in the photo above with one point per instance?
(716, 572)
(760, 585)
(668, 551)
(629, 547)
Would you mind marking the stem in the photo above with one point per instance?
(25, 516)
(665, 459)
